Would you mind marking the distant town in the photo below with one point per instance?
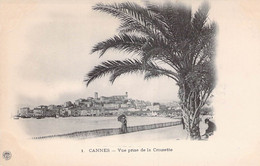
(102, 106)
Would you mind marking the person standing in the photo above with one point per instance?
(124, 125)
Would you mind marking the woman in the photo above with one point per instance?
(124, 125)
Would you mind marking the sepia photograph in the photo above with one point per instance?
(136, 82)
(164, 41)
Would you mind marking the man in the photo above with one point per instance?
(211, 128)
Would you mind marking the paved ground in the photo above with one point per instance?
(161, 134)
(167, 133)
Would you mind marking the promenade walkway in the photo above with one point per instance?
(167, 133)
(111, 131)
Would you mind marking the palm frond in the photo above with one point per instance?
(129, 13)
(150, 20)
(139, 67)
(166, 34)
(177, 18)
(202, 77)
(112, 67)
(134, 18)
(162, 55)
(117, 68)
(200, 17)
(124, 42)
(155, 74)
(204, 46)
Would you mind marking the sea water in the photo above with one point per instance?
(53, 126)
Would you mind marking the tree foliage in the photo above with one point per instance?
(169, 40)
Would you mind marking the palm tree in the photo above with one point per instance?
(169, 40)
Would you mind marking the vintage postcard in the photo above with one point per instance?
(136, 82)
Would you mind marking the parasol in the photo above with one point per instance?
(119, 118)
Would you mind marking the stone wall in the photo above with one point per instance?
(107, 132)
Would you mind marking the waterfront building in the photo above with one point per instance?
(177, 113)
(85, 112)
(53, 110)
(30, 113)
(111, 106)
(97, 104)
(75, 111)
(153, 108)
(65, 112)
(38, 112)
(152, 113)
(134, 109)
(122, 110)
(95, 112)
(111, 112)
(124, 106)
(23, 112)
(50, 113)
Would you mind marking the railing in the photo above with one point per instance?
(107, 132)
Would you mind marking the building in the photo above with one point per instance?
(68, 104)
(38, 112)
(95, 106)
(24, 112)
(153, 108)
(124, 106)
(90, 98)
(173, 105)
(152, 114)
(96, 95)
(134, 109)
(85, 102)
(53, 110)
(85, 112)
(111, 112)
(75, 111)
(95, 112)
(65, 112)
(176, 113)
(78, 101)
(52, 107)
(114, 99)
(139, 104)
(122, 110)
(50, 113)
(113, 106)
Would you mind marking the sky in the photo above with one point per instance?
(55, 57)
(51, 45)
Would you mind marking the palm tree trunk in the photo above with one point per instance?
(191, 113)
(195, 130)
(192, 125)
